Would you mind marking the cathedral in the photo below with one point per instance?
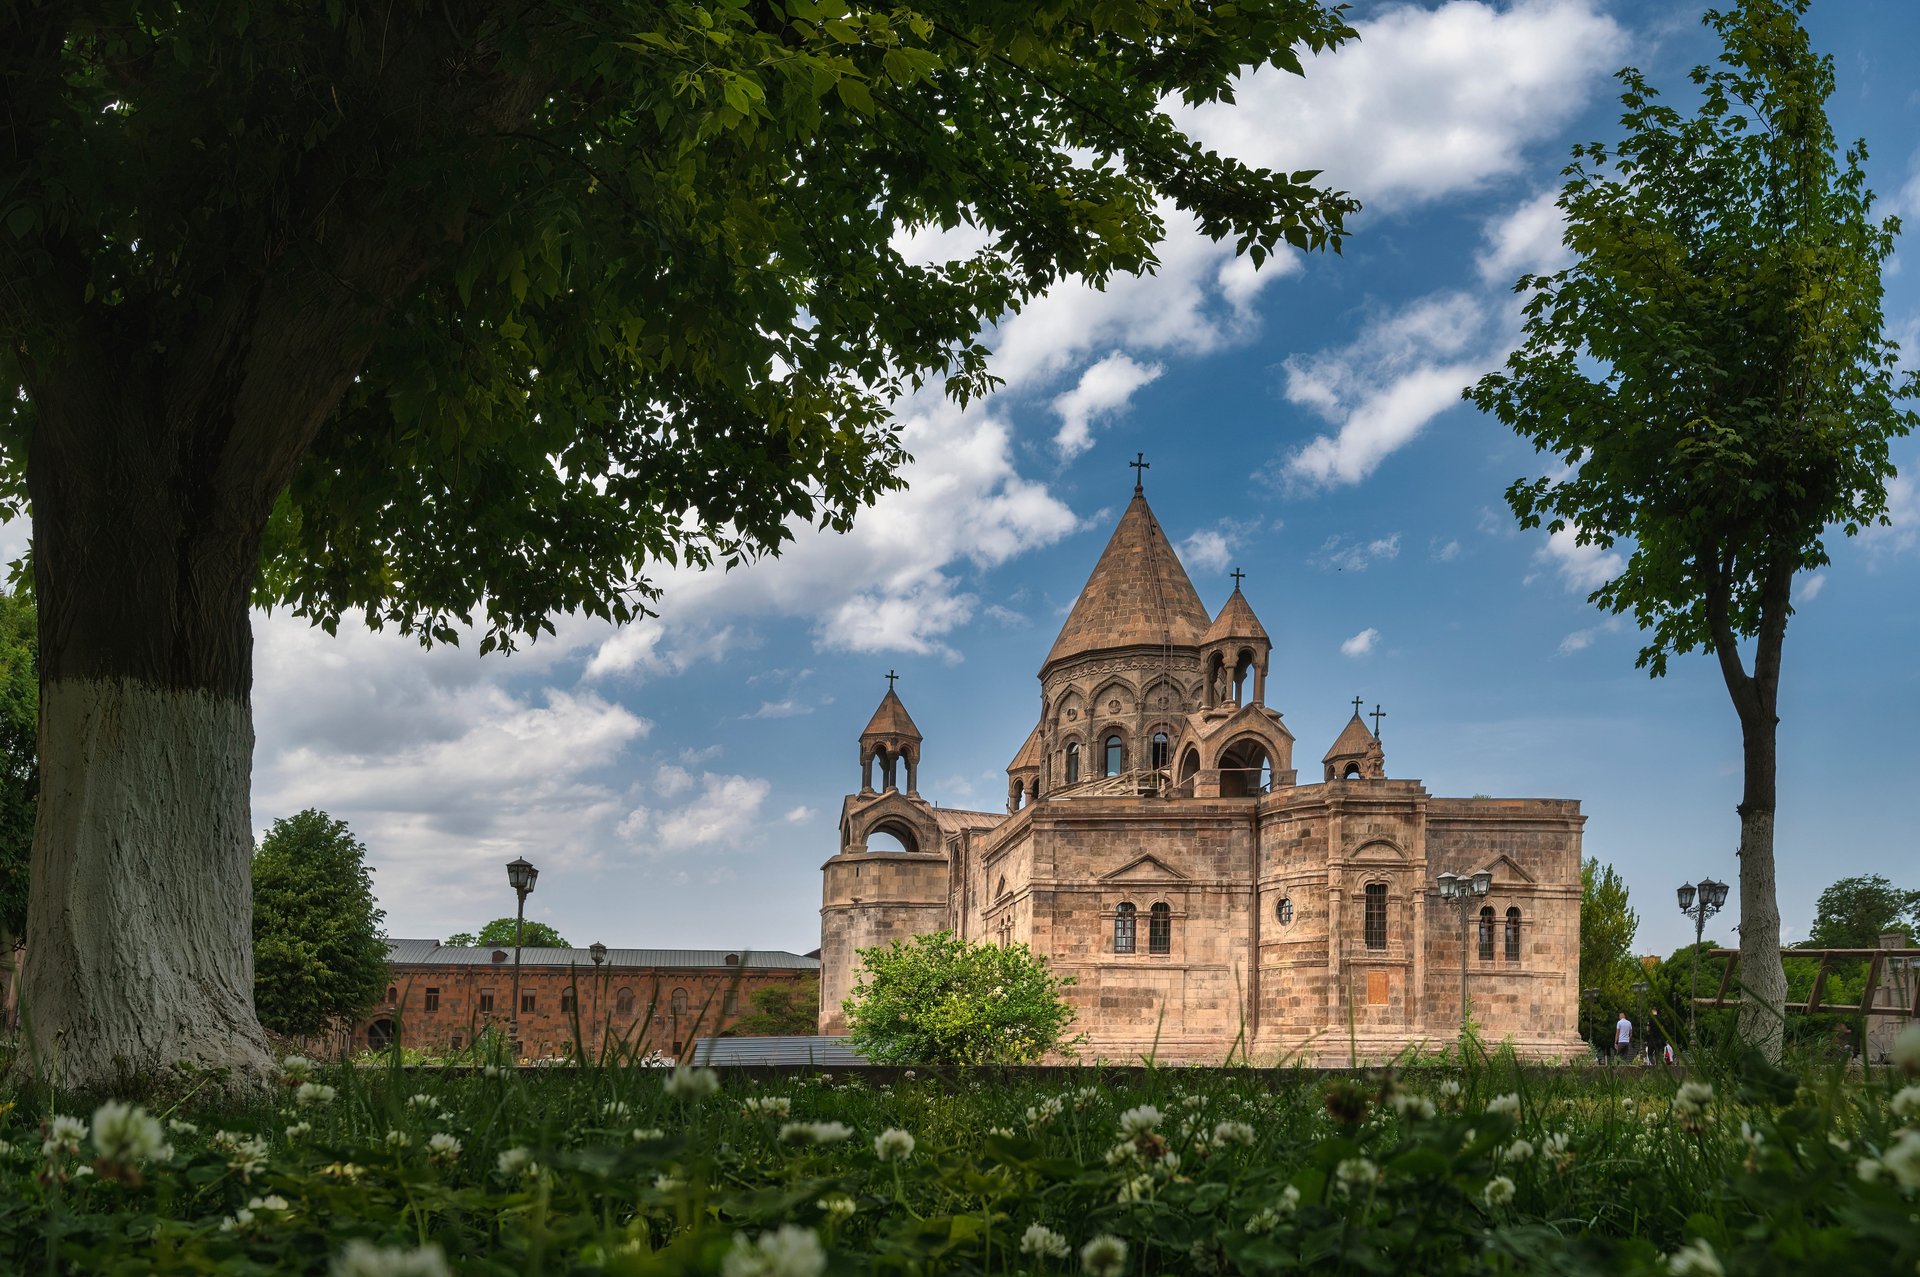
(1160, 847)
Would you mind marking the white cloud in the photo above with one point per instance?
(1446, 553)
(1525, 241)
(1360, 644)
(1578, 641)
(1809, 588)
(1382, 389)
(726, 812)
(798, 815)
(1358, 555)
(1582, 567)
(1208, 549)
(790, 707)
(1902, 528)
(1105, 388)
(1427, 103)
(672, 781)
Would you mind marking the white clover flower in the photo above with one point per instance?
(1498, 1192)
(1193, 1102)
(1516, 1152)
(1692, 1098)
(837, 1206)
(668, 1183)
(616, 1110)
(1555, 1147)
(246, 1154)
(126, 1133)
(1906, 1102)
(780, 1106)
(1355, 1172)
(296, 1069)
(642, 1135)
(1906, 1050)
(236, 1221)
(1225, 1133)
(1753, 1137)
(1043, 1241)
(1411, 1104)
(1139, 1121)
(790, 1251)
(360, 1258)
(1449, 1088)
(423, 1101)
(1509, 1104)
(1868, 1169)
(1104, 1256)
(6, 1149)
(314, 1093)
(492, 1070)
(64, 1135)
(1004, 1132)
(1696, 1259)
(272, 1203)
(1263, 1221)
(1136, 1188)
(1844, 1146)
(686, 1083)
(909, 1075)
(442, 1147)
(893, 1145)
(398, 1139)
(815, 1132)
(517, 1162)
(179, 1127)
(1903, 1159)
(298, 1129)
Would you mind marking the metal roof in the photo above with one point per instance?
(433, 953)
(747, 1051)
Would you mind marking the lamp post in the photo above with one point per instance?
(521, 877)
(1640, 1009)
(599, 954)
(1463, 890)
(1699, 902)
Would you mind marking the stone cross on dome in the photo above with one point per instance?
(1376, 716)
(1238, 576)
(1140, 466)
(890, 677)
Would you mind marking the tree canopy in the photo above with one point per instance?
(944, 1000)
(1855, 912)
(1607, 928)
(318, 951)
(538, 935)
(780, 1010)
(1712, 379)
(19, 760)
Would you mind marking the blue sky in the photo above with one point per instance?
(678, 781)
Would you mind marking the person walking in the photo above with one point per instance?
(1657, 1041)
(1622, 1037)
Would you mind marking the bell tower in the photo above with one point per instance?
(890, 740)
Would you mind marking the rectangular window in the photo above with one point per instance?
(486, 1001)
(1123, 922)
(433, 999)
(1160, 930)
(1376, 915)
(526, 1003)
(1513, 935)
(1486, 934)
(731, 1005)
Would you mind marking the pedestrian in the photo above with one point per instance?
(1623, 1037)
(1656, 1040)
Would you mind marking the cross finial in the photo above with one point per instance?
(1376, 716)
(890, 677)
(1140, 466)
(1356, 707)
(1238, 576)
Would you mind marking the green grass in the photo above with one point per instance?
(605, 1170)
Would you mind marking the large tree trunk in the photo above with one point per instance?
(139, 925)
(1763, 981)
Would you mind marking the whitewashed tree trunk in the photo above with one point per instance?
(140, 917)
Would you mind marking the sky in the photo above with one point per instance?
(678, 781)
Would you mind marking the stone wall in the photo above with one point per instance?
(869, 899)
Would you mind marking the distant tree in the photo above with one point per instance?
(1607, 928)
(19, 760)
(943, 1000)
(538, 935)
(781, 1010)
(319, 955)
(1711, 375)
(1855, 912)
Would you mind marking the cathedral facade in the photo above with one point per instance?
(1160, 846)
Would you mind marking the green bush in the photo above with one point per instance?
(943, 1000)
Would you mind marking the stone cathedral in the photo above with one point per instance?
(1160, 847)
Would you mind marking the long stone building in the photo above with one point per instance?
(1160, 847)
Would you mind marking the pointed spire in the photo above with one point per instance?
(1354, 740)
(1236, 619)
(1139, 595)
(891, 719)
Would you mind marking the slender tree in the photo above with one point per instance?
(319, 954)
(464, 315)
(1607, 927)
(1712, 374)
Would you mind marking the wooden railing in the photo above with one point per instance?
(1877, 971)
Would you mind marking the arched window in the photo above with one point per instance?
(1376, 916)
(1123, 922)
(1513, 935)
(1243, 679)
(1189, 770)
(1114, 758)
(1352, 772)
(679, 1003)
(1073, 762)
(393, 994)
(1284, 911)
(1486, 933)
(623, 1001)
(1162, 750)
(1160, 929)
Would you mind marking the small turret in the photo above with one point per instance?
(1234, 652)
(890, 737)
(1356, 755)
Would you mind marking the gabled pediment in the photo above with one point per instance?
(1505, 869)
(1145, 869)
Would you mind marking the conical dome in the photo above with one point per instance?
(1138, 595)
(1354, 740)
(891, 719)
(1236, 621)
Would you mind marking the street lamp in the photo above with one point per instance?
(1640, 1005)
(1699, 903)
(521, 877)
(598, 952)
(1463, 890)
